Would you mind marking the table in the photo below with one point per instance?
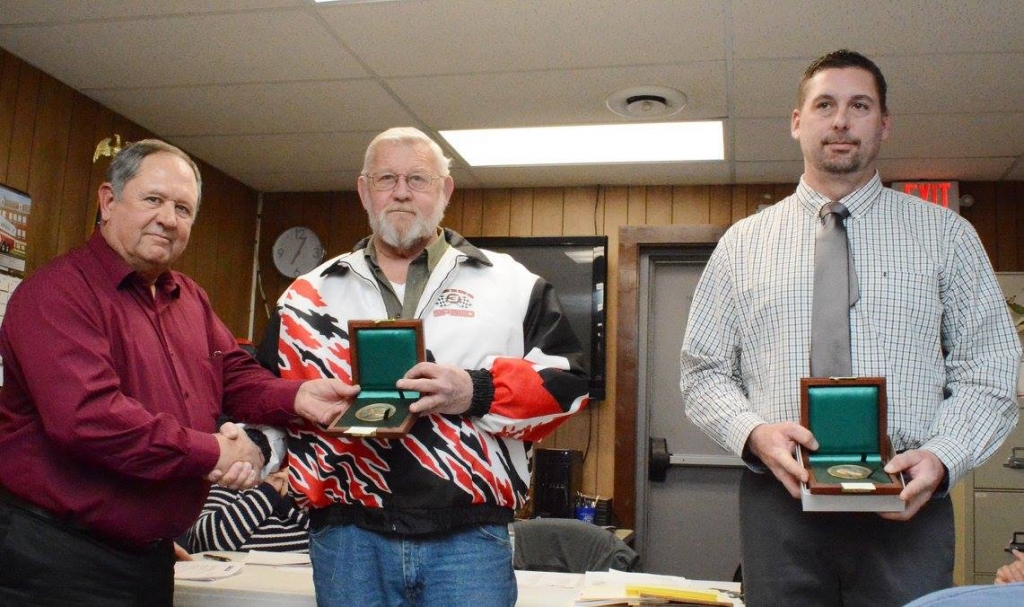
(288, 586)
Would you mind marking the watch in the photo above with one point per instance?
(297, 251)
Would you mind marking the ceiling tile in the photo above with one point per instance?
(49, 11)
(554, 97)
(955, 135)
(764, 139)
(785, 171)
(340, 105)
(195, 49)
(280, 153)
(434, 36)
(789, 29)
(970, 169)
(301, 181)
(983, 83)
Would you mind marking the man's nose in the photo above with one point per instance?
(167, 215)
(402, 189)
(841, 120)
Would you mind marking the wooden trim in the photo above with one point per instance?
(632, 240)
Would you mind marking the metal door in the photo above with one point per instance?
(687, 524)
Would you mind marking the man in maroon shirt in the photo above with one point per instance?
(115, 371)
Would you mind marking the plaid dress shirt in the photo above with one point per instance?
(930, 318)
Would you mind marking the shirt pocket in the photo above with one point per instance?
(904, 312)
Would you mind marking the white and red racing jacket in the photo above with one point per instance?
(481, 311)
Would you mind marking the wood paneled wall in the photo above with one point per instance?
(340, 220)
(48, 133)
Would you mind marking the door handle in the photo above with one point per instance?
(1016, 460)
(658, 459)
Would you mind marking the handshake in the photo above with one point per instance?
(240, 459)
(240, 462)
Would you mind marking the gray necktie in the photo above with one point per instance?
(835, 292)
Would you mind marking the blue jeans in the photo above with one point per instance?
(469, 567)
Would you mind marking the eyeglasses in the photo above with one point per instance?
(419, 182)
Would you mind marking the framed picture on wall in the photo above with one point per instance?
(15, 207)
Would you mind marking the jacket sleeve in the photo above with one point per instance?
(533, 395)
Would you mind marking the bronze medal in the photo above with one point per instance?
(850, 472)
(377, 412)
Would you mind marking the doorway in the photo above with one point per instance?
(687, 523)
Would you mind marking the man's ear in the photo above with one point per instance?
(363, 186)
(449, 187)
(105, 198)
(794, 125)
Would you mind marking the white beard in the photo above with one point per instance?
(420, 230)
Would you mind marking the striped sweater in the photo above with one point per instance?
(255, 519)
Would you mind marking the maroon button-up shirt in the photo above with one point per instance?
(111, 395)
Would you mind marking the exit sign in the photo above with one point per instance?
(943, 193)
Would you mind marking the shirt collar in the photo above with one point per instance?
(434, 251)
(857, 202)
(119, 272)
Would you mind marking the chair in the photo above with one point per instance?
(569, 546)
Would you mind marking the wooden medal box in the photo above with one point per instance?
(381, 352)
(848, 418)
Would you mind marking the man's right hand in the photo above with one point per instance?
(240, 459)
(773, 444)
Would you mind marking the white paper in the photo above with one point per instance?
(599, 587)
(262, 557)
(205, 570)
(545, 579)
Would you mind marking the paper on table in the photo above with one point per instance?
(600, 587)
(262, 557)
(204, 570)
(545, 579)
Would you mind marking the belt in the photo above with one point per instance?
(28, 507)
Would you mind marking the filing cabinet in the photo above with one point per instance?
(994, 509)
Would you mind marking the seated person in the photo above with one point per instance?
(262, 518)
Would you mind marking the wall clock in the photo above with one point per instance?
(297, 251)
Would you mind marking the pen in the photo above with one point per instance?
(215, 557)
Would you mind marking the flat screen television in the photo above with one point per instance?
(577, 267)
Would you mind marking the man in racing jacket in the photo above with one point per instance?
(422, 519)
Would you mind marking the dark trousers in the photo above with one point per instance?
(43, 562)
(791, 557)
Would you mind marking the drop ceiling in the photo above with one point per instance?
(284, 95)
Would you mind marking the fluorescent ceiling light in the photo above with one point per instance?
(592, 144)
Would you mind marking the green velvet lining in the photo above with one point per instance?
(868, 460)
(384, 356)
(844, 419)
(385, 394)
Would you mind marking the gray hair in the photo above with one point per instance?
(127, 162)
(410, 136)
